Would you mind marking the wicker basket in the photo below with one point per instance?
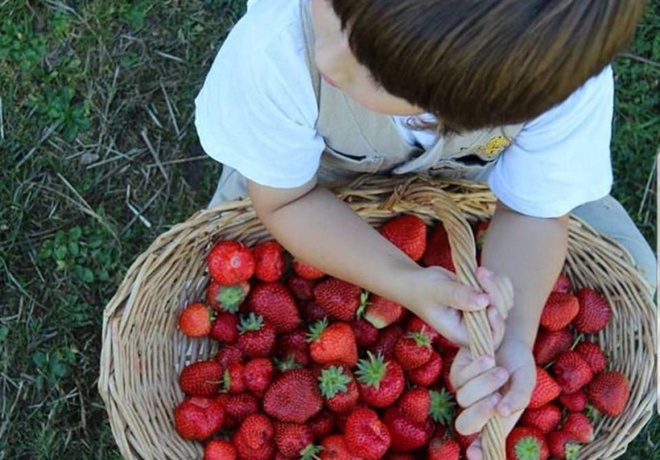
(143, 351)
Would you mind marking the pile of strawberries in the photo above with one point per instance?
(313, 367)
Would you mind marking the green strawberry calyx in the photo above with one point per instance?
(230, 297)
(317, 329)
(251, 323)
(371, 371)
(310, 452)
(333, 380)
(527, 448)
(422, 339)
(287, 364)
(571, 450)
(442, 406)
(364, 301)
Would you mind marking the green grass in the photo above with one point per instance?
(98, 156)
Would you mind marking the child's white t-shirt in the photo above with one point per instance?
(257, 111)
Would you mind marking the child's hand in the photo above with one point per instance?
(485, 390)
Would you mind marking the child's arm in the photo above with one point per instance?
(320, 229)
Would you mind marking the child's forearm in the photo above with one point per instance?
(531, 252)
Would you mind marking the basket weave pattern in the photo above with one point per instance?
(143, 351)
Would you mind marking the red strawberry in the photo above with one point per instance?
(609, 392)
(443, 344)
(195, 320)
(334, 344)
(526, 443)
(198, 418)
(219, 449)
(232, 379)
(465, 441)
(322, 424)
(381, 312)
(593, 355)
(313, 311)
(380, 381)
(225, 328)
(339, 389)
(275, 303)
(226, 298)
(447, 361)
(301, 288)
(294, 346)
(408, 233)
(574, 402)
(334, 448)
(306, 271)
(386, 341)
(229, 354)
(441, 449)
(427, 374)
(292, 439)
(417, 324)
(571, 371)
(545, 418)
(559, 310)
(438, 250)
(237, 407)
(293, 397)
(268, 261)
(594, 312)
(563, 445)
(442, 407)
(413, 350)
(579, 425)
(202, 378)
(366, 435)
(256, 338)
(550, 343)
(415, 404)
(365, 333)
(230, 262)
(395, 456)
(563, 284)
(258, 374)
(255, 438)
(339, 298)
(406, 435)
(545, 390)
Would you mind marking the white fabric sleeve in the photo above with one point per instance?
(257, 110)
(561, 159)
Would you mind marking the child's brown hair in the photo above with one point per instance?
(485, 63)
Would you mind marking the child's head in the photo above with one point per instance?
(483, 63)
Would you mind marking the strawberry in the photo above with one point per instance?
(438, 250)
(609, 392)
(223, 298)
(443, 449)
(380, 381)
(574, 402)
(195, 320)
(219, 449)
(198, 418)
(365, 333)
(417, 324)
(366, 435)
(339, 298)
(255, 438)
(232, 379)
(442, 407)
(408, 233)
(545, 418)
(334, 344)
(594, 311)
(395, 456)
(300, 288)
(306, 271)
(526, 443)
(256, 338)
(334, 448)
(275, 303)
(237, 407)
(545, 390)
(229, 354)
(406, 435)
(386, 341)
(381, 312)
(563, 445)
(442, 344)
(202, 378)
(313, 311)
(339, 389)
(559, 310)
(292, 439)
(225, 328)
(415, 404)
(230, 262)
(268, 261)
(579, 425)
(427, 374)
(258, 374)
(593, 355)
(322, 424)
(293, 397)
(294, 345)
(465, 440)
(447, 361)
(571, 371)
(563, 284)
(413, 350)
(550, 343)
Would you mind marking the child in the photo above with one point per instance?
(515, 93)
